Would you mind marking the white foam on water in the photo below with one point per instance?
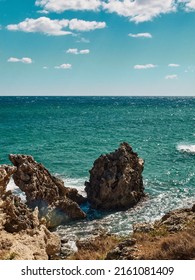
(77, 183)
(11, 185)
(186, 148)
(15, 189)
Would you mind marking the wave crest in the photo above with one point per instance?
(186, 148)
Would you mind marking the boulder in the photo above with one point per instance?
(116, 180)
(55, 202)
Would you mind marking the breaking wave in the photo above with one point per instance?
(186, 148)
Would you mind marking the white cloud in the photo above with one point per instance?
(139, 10)
(144, 66)
(25, 60)
(42, 25)
(72, 51)
(64, 5)
(84, 51)
(45, 67)
(140, 35)
(171, 77)
(174, 65)
(43, 12)
(83, 25)
(55, 27)
(136, 10)
(76, 51)
(189, 5)
(64, 66)
(83, 40)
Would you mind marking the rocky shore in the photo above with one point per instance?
(115, 183)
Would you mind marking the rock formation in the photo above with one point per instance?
(5, 173)
(31, 240)
(54, 201)
(116, 180)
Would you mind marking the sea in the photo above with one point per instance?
(67, 134)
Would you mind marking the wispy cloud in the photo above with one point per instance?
(64, 66)
(144, 66)
(173, 65)
(26, 60)
(189, 5)
(48, 26)
(76, 51)
(171, 77)
(83, 40)
(140, 35)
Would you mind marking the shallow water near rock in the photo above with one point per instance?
(67, 134)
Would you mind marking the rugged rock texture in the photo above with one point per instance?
(6, 172)
(36, 244)
(124, 251)
(116, 180)
(18, 215)
(21, 234)
(48, 193)
(170, 238)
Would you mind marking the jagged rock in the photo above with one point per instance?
(35, 244)
(124, 251)
(21, 234)
(18, 215)
(6, 172)
(55, 202)
(116, 180)
(143, 227)
(177, 220)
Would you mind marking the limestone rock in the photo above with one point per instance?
(36, 244)
(18, 215)
(116, 180)
(21, 234)
(124, 251)
(55, 202)
(6, 172)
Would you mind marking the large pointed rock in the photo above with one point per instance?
(116, 180)
(54, 201)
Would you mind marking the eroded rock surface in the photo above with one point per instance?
(116, 180)
(22, 235)
(48, 193)
(6, 172)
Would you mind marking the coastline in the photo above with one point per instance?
(49, 203)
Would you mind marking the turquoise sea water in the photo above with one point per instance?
(67, 134)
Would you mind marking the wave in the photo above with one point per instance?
(186, 148)
(16, 190)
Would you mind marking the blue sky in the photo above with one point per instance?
(97, 47)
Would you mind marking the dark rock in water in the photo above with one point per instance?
(55, 202)
(116, 180)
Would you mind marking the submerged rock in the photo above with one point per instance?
(116, 180)
(55, 202)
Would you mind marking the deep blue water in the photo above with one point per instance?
(67, 134)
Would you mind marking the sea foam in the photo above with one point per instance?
(186, 148)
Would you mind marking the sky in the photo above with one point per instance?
(97, 47)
